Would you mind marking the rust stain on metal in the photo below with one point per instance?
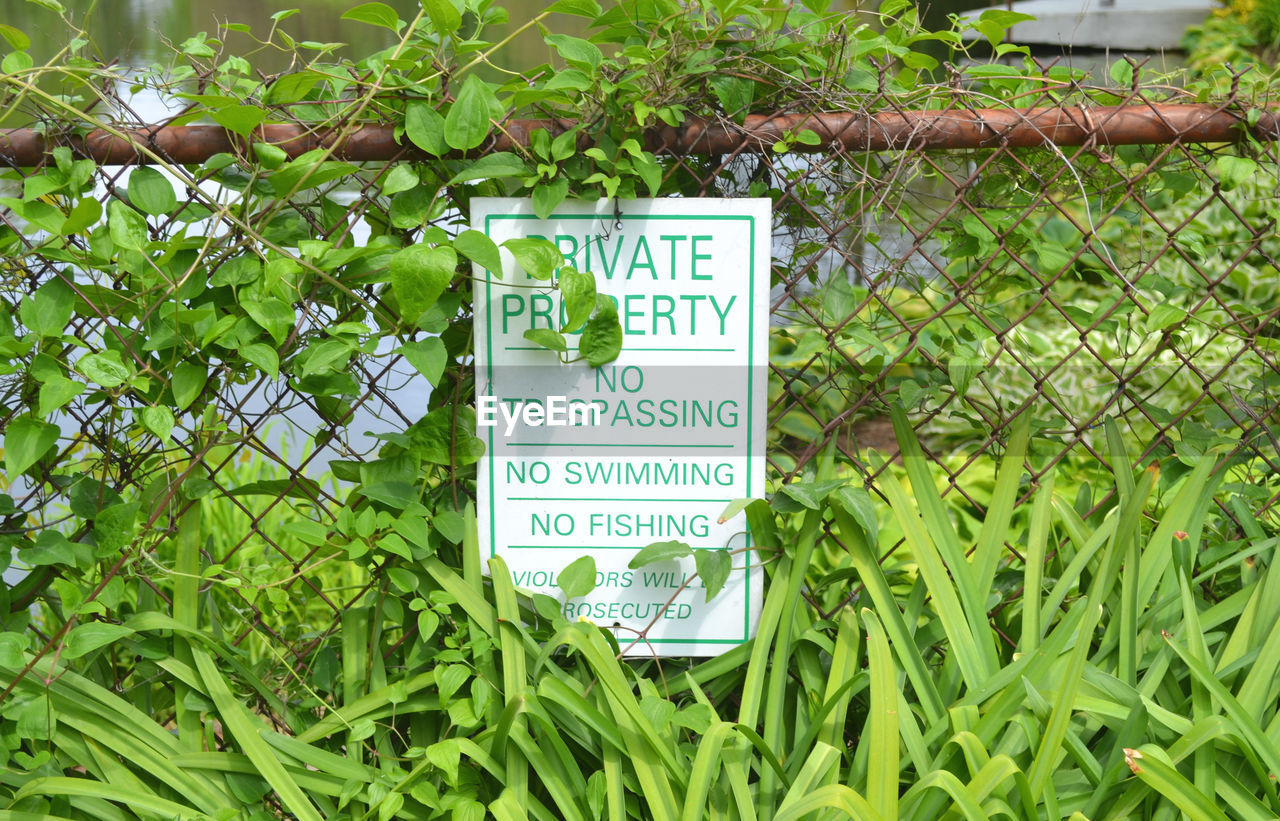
(961, 128)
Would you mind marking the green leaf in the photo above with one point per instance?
(450, 524)
(47, 311)
(713, 569)
(126, 226)
(478, 248)
(428, 356)
(263, 356)
(734, 93)
(425, 128)
(15, 37)
(401, 178)
(291, 88)
(419, 275)
(733, 509)
(188, 381)
(114, 527)
(468, 121)
(537, 257)
(659, 552)
(1234, 171)
(16, 62)
(12, 646)
(240, 119)
(26, 439)
(808, 136)
(57, 392)
(649, 170)
(299, 487)
(810, 495)
(443, 15)
(86, 213)
(106, 368)
(85, 638)
(579, 578)
(579, 294)
(581, 8)
(1163, 316)
(275, 316)
(491, 166)
(441, 440)
(575, 50)
(375, 14)
(602, 337)
(858, 503)
(961, 370)
(547, 338)
(151, 191)
(548, 196)
(159, 420)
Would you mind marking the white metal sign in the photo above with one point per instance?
(648, 448)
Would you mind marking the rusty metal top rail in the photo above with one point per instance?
(1148, 123)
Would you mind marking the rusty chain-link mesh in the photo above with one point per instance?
(972, 285)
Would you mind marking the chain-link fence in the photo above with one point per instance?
(206, 354)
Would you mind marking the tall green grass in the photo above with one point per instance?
(1127, 679)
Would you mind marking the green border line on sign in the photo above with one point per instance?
(751, 278)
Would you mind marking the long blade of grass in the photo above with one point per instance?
(506, 807)
(1184, 513)
(615, 788)
(186, 610)
(932, 509)
(1243, 720)
(1135, 726)
(1054, 732)
(995, 526)
(145, 802)
(558, 782)
(1086, 549)
(312, 782)
(947, 784)
(737, 756)
(867, 564)
(818, 719)
(978, 647)
(777, 717)
(833, 796)
(820, 761)
(882, 721)
(1257, 693)
(567, 696)
(962, 614)
(1148, 764)
(1201, 704)
(1130, 515)
(707, 765)
(245, 729)
(1033, 573)
(845, 661)
(373, 706)
(1121, 466)
(653, 762)
(513, 667)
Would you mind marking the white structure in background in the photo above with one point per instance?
(1125, 25)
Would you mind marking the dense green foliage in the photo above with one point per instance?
(202, 622)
